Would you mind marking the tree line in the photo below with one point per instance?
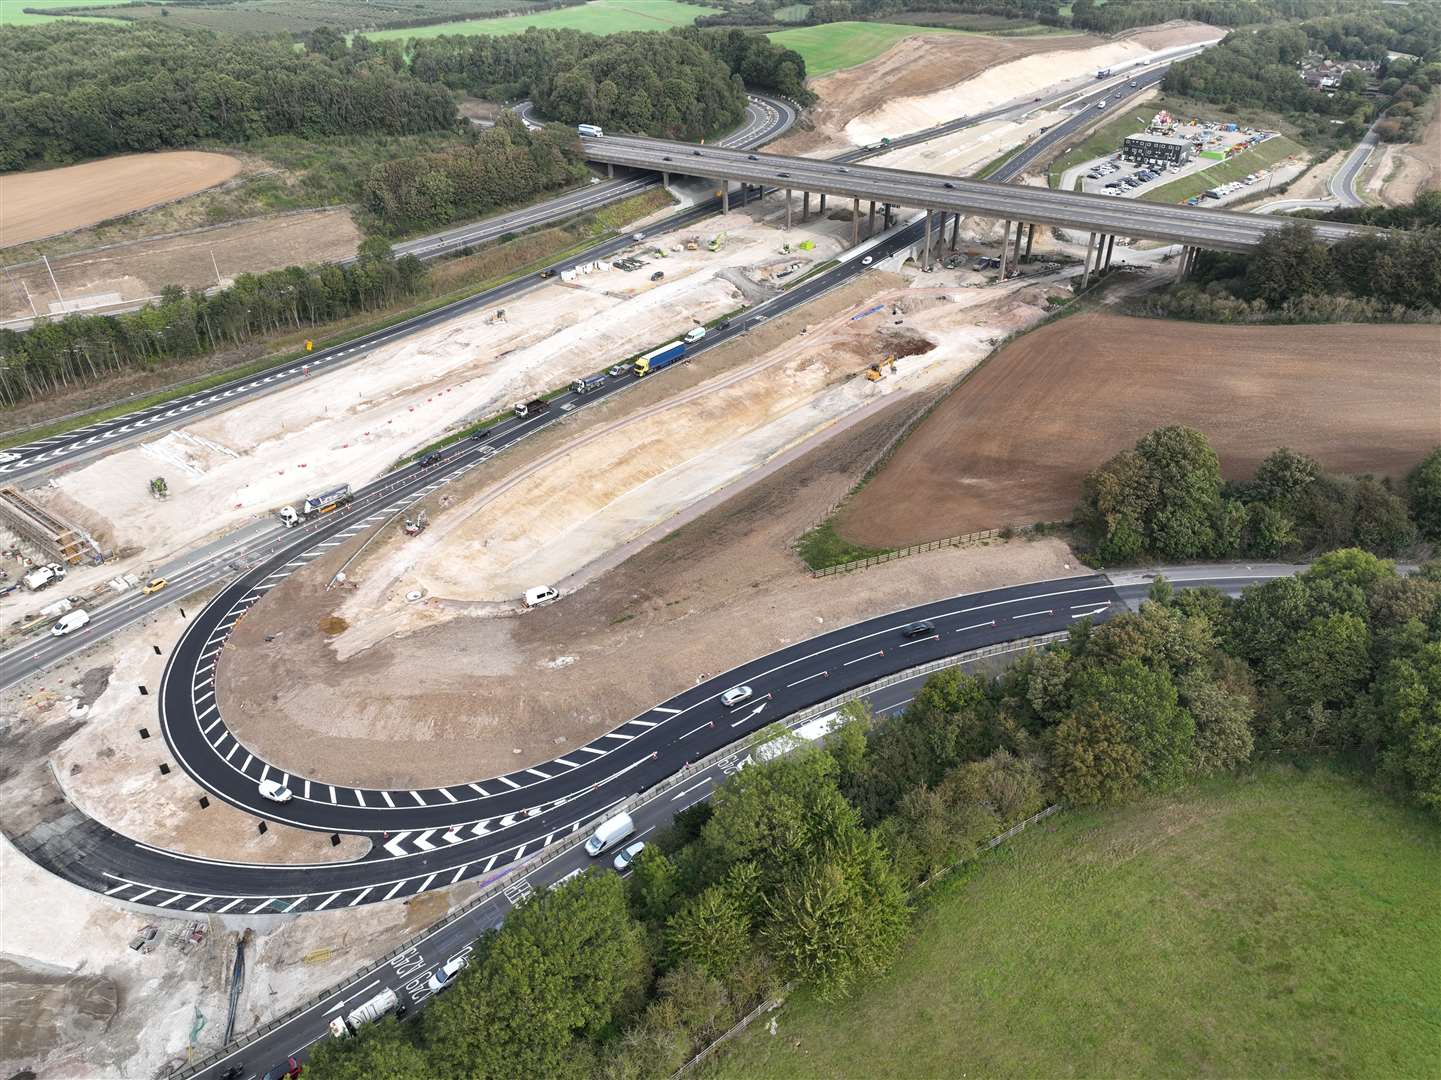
(80, 90)
(59, 353)
(685, 83)
(1292, 277)
(1165, 499)
(804, 869)
(498, 167)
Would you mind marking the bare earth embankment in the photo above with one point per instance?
(1013, 443)
(54, 201)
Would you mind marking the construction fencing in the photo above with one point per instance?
(521, 871)
(963, 540)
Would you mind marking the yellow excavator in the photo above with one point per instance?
(874, 373)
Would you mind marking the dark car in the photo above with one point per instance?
(667, 157)
(547, 273)
(723, 324)
(696, 153)
(949, 185)
(235, 1072)
(289, 1071)
(752, 157)
(919, 629)
(432, 458)
(657, 275)
(784, 175)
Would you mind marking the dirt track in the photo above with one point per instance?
(57, 200)
(1013, 443)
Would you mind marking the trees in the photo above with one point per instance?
(1423, 492)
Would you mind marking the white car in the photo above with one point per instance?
(735, 695)
(867, 261)
(275, 791)
(628, 855)
(637, 236)
(444, 975)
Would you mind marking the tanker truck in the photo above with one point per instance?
(324, 502)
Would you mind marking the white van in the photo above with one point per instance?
(541, 594)
(694, 334)
(73, 620)
(609, 833)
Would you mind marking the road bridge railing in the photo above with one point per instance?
(498, 887)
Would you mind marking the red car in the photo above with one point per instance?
(289, 1071)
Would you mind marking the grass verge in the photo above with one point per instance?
(823, 546)
(1260, 925)
(453, 280)
(832, 46)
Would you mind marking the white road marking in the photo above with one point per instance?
(448, 795)
(664, 709)
(692, 731)
(386, 796)
(359, 897)
(687, 791)
(359, 796)
(913, 641)
(977, 626)
(1030, 614)
(508, 782)
(332, 792)
(198, 903)
(480, 790)
(857, 660)
(322, 905)
(396, 888)
(808, 678)
(227, 907)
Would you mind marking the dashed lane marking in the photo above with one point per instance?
(857, 660)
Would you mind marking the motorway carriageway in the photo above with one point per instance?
(43, 454)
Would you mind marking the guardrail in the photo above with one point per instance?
(901, 553)
(521, 871)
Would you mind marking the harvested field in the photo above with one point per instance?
(140, 269)
(53, 201)
(1013, 443)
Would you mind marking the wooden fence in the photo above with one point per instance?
(901, 553)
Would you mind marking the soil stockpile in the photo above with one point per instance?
(1012, 444)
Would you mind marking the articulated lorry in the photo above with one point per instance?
(657, 359)
(367, 1013)
(325, 502)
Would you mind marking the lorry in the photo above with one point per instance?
(589, 131)
(324, 502)
(42, 577)
(367, 1012)
(1104, 73)
(660, 358)
(531, 408)
(589, 383)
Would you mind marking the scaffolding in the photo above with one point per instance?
(57, 540)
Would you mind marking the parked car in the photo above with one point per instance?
(444, 976)
(628, 855)
(274, 791)
(735, 695)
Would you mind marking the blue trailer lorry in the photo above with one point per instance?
(660, 358)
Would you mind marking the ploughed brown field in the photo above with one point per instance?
(1012, 444)
(52, 201)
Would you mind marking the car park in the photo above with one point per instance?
(274, 791)
(443, 977)
(628, 855)
(735, 695)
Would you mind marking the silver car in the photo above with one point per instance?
(735, 695)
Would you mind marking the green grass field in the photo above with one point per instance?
(1248, 161)
(12, 12)
(833, 46)
(1285, 923)
(597, 17)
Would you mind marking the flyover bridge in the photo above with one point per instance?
(1102, 216)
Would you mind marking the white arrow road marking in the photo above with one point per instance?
(1085, 614)
(423, 841)
(451, 836)
(394, 844)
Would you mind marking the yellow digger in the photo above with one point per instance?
(876, 372)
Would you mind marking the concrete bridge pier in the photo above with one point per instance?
(788, 209)
(886, 219)
(955, 232)
(926, 259)
(822, 210)
(871, 220)
(855, 222)
(610, 170)
(665, 179)
(725, 196)
(1086, 271)
(1005, 246)
(805, 206)
(1110, 247)
(1030, 235)
(1016, 254)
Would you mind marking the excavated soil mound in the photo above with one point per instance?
(1012, 444)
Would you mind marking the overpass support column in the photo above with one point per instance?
(1184, 267)
(610, 170)
(822, 210)
(788, 209)
(955, 232)
(1005, 246)
(926, 260)
(886, 217)
(1110, 247)
(805, 206)
(665, 179)
(1030, 235)
(871, 220)
(855, 222)
(725, 196)
(1016, 254)
(1086, 271)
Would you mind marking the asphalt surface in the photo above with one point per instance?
(1342, 184)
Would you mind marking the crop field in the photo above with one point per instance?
(299, 16)
(1013, 442)
(13, 13)
(1280, 923)
(1248, 161)
(597, 17)
(833, 46)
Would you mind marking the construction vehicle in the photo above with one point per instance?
(366, 1013)
(326, 502)
(874, 373)
(530, 408)
(42, 577)
(715, 242)
(416, 525)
